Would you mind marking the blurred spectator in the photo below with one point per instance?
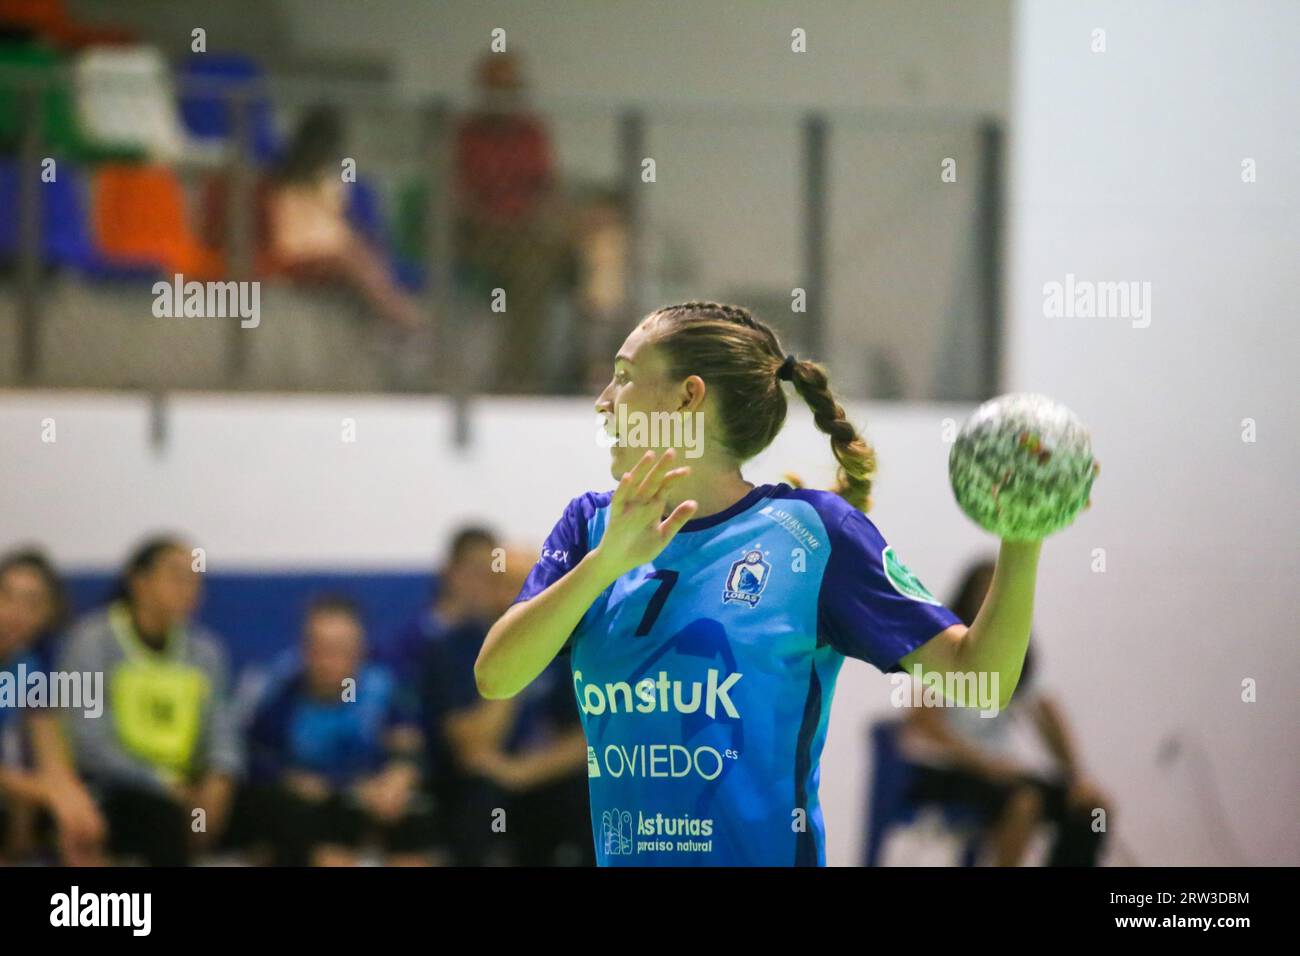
(466, 594)
(165, 747)
(1018, 770)
(308, 232)
(333, 756)
(36, 774)
(464, 601)
(527, 754)
(511, 232)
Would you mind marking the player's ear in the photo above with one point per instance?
(691, 394)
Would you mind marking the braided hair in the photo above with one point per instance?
(742, 361)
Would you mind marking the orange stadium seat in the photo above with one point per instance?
(139, 218)
(50, 20)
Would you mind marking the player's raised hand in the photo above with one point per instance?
(638, 529)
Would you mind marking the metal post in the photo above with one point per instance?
(989, 256)
(158, 420)
(815, 157)
(439, 243)
(30, 229)
(448, 346)
(632, 151)
(241, 199)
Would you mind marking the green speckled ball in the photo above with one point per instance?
(1022, 467)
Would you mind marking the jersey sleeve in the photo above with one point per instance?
(565, 546)
(871, 606)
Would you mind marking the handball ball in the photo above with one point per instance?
(1022, 467)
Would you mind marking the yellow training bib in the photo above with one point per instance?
(157, 700)
(158, 711)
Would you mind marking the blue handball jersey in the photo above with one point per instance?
(704, 678)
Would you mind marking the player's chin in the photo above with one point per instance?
(623, 458)
(618, 463)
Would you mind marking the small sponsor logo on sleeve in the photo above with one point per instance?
(903, 580)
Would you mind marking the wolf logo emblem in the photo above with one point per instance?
(746, 579)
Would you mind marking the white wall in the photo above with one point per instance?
(1127, 166)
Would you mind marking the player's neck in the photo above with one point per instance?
(713, 490)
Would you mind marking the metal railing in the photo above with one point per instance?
(665, 222)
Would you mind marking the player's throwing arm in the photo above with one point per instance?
(1022, 468)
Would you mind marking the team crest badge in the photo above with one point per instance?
(746, 579)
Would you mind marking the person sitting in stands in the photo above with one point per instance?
(307, 230)
(333, 756)
(527, 754)
(1017, 769)
(163, 757)
(36, 772)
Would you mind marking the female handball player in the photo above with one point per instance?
(706, 618)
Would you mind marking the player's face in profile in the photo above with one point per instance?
(640, 387)
(170, 588)
(25, 609)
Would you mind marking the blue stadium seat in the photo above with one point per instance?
(888, 803)
(207, 80)
(65, 239)
(365, 212)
